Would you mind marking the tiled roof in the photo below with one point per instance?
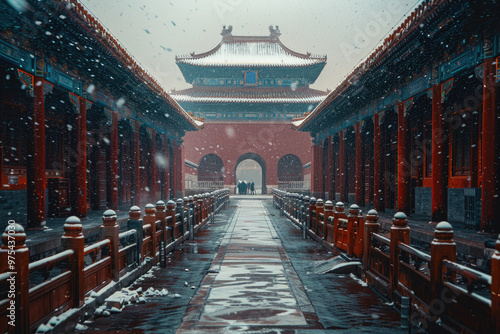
(249, 95)
(251, 51)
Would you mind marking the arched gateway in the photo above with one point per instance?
(258, 159)
(248, 89)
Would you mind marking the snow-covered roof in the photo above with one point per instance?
(251, 51)
(298, 123)
(249, 95)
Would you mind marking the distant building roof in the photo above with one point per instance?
(249, 95)
(251, 51)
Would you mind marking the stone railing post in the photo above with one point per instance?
(351, 227)
(319, 210)
(13, 239)
(150, 218)
(161, 215)
(328, 213)
(371, 226)
(135, 222)
(110, 230)
(312, 213)
(495, 288)
(400, 233)
(179, 208)
(73, 239)
(171, 213)
(339, 213)
(442, 247)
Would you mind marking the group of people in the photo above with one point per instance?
(245, 187)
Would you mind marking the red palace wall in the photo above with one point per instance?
(230, 141)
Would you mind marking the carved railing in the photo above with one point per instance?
(55, 284)
(443, 293)
(50, 293)
(98, 266)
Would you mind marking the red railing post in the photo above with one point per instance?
(150, 218)
(109, 230)
(319, 210)
(339, 213)
(204, 207)
(360, 235)
(14, 249)
(196, 204)
(73, 239)
(191, 216)
(495, 289)
(171, 213)
(161, 215)
(212, 204)
(400, 233)
(352, 221)
(328, 213)
(442, 247)
(371, 226)
(179, 208)
(135, 222)
(312, 213)
(200, 209)
(187, 216)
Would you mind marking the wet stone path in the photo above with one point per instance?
(250, 271)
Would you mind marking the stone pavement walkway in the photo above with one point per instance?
(251, 287)
(250, 271)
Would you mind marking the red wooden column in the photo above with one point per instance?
(166, 154)
(137, 172)
(36, 180)
(360, 166)
(152, 190)
(331, 171)
(344, 193)
(81, 165)
(490, 201)
(316, 170)
(114, 162)
(378, 185)
(404, 177)
(178, 171)
(439, 158)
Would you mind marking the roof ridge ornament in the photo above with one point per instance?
(227, 32)
(274, 32)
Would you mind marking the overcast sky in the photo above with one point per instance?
(154, 31)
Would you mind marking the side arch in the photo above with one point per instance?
(290, 168)
(211, 168)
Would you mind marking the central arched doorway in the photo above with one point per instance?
(249, 166)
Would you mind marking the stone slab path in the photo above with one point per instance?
(249, 283)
